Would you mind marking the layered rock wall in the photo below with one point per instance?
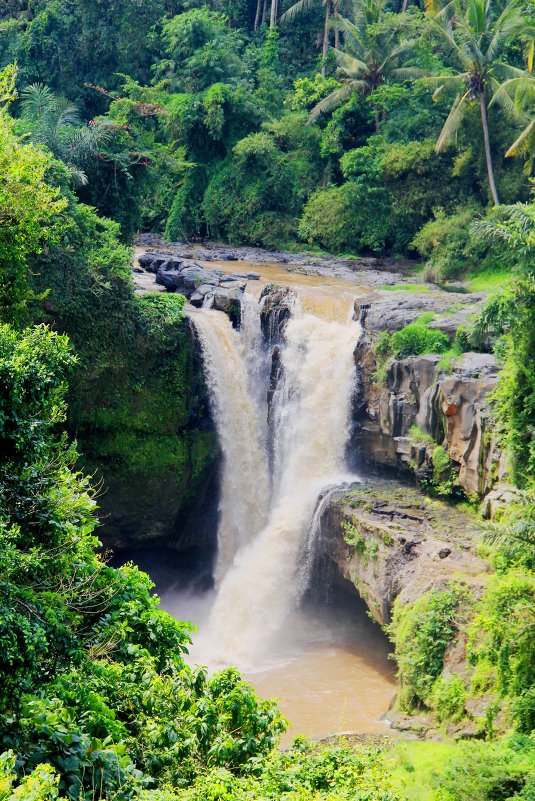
(449, 405)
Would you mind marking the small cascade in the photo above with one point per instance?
(265, 543)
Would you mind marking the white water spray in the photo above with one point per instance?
(310, 415)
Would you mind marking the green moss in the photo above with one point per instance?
(360, 544)
(419, 436)
(491, 279)
(412, 288)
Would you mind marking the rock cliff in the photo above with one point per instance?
(390, 540)
(419, 402)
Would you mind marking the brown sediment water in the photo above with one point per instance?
(324, 296)
(330, 670)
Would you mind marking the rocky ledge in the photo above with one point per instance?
(214, 288)
(395, 545)
(392, 541)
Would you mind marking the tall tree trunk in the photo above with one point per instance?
(337, 38)
(404, 5)
(326, 32)
(488, 155)
(273, 16)
(376, 116)
(258, 14)
(264, 12)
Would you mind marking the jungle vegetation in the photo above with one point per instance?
(358, 128)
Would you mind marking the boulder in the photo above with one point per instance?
(198, 297)
(227, 300)
(153, 262)
(276, 309)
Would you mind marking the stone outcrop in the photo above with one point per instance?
(391, 311)
(392, 541)
(199, 284)
(448, 405)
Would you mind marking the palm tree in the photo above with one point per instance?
(474, 38)
(332, 7)
(371, 57)
(55, 123)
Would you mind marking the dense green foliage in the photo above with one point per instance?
(198, 121)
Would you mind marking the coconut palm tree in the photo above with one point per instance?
(332, 8)
(474, 37)
(55, 123)
(371, 57)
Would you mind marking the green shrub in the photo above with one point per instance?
(353, 217)
(447, 244)
(419, 436)
(488, 772)
(448, 698)
(416, 339)
(502, 635)
(421, 632)
(445, 480)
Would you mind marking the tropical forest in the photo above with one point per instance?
(267, 400)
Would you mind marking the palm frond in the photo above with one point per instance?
(453, 122)
(462, 53)
(37, 102)
(333, 100)
(518, 145)
(407, 73)
(298, 8)
(349, 65)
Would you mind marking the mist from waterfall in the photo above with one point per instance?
(264, 519)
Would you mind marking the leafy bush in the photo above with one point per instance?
(417, 338)
(501, 635)
(422, 631)
(445, 480)
(353, 217)
(257, 195)
(488, 772)
(448, 698)
(447, 244)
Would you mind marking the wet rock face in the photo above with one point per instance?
(451, 409)
(277, 303)
(164, 499)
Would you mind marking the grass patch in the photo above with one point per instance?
(420, 437)
(417, 765)
(488, 280)
(416, 288)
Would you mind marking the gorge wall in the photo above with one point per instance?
(420, 402)
(144, 427)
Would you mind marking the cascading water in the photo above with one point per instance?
(261, 532)
(245, 486)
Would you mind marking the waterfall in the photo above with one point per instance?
(245, 487)
(258, 571)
